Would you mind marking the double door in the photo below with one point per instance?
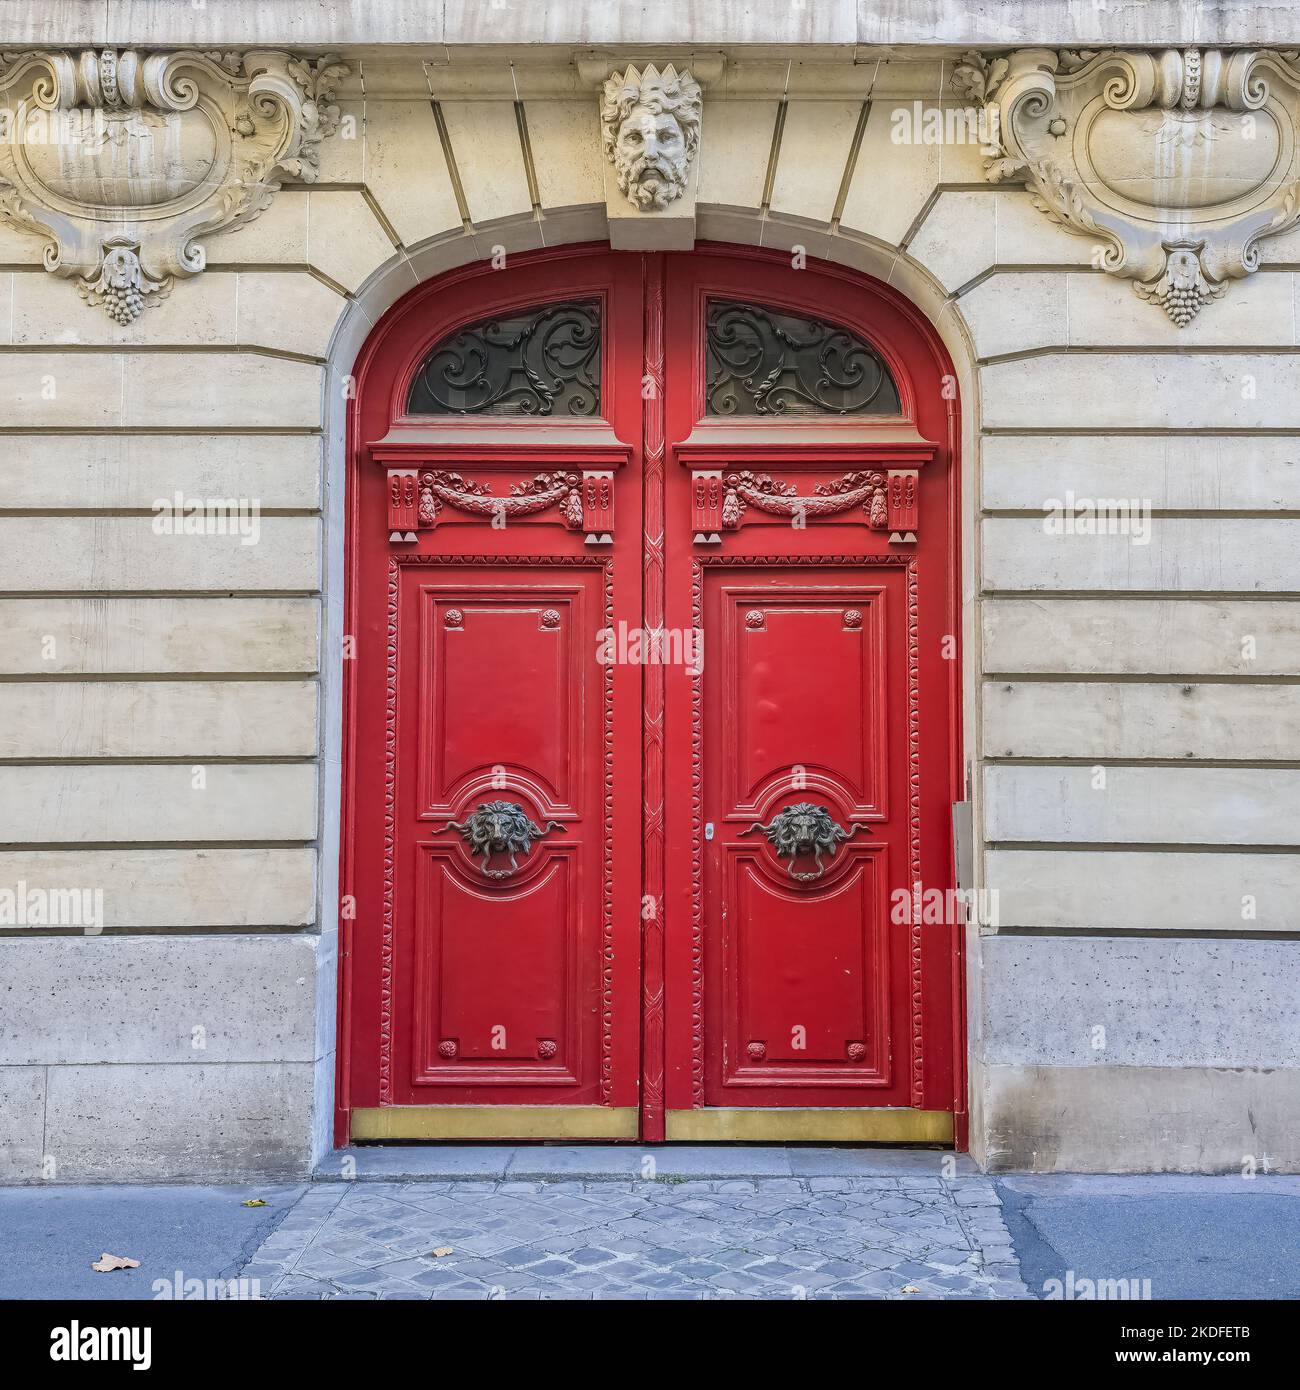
(649, 757)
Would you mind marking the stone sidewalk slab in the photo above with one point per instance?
(438, 1162)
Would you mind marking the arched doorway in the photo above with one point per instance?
(652, 707)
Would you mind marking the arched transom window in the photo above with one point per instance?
(762, 361)
(536, 361)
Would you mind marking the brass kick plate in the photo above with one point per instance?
(882, 1126)
(495, 1122)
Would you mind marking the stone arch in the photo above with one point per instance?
(411, 267)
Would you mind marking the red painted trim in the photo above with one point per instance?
(653, 465)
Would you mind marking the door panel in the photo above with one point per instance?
(783, 710)
(805, 979)
(798, 969)
(506, 978)
(528, 645)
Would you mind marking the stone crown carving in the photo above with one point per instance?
(123, 160)
(650, 127)
(1176, 162)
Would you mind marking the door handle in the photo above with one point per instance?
(804, 828)
(500, 827)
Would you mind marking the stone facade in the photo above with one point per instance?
(170, 718)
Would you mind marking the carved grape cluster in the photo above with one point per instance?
(1182, 305)
(125, 305)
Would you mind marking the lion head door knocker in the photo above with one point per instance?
(500, 827)
(804, 829)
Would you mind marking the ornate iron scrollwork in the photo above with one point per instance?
(761, 362)
(500, 827)
(543, 361)
(804, 829)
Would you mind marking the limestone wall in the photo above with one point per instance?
(170, 709)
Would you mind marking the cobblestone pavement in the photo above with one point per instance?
(831, 1237)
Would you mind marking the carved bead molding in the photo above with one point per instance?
(124, 159)
(1176, 162)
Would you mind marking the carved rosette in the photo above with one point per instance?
(124, 160)
(1175, 162)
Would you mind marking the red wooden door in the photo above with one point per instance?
(496, 762)
(811, 763)
(653, 708)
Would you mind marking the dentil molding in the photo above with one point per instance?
(124, 159)
(1175, 162)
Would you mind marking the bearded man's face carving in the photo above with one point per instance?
(650, 157)
(651, 127)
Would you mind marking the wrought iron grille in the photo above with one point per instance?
(543, 361)
(761, 362)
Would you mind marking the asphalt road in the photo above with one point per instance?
(49, 1236)
(1192, 1237)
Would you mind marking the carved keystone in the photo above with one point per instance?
(650, 131)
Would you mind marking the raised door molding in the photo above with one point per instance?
(1176, 162)
(123, 160)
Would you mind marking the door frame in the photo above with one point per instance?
(936, 363)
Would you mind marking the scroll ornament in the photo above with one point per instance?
(1175, 162)
(123, 160)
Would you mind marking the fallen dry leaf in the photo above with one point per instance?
(107, 1262)
(441, 1251)
(253, 1202)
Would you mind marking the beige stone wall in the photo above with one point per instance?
(169, 715)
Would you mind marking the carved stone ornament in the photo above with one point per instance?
(124, 159)
(1176, 162)
(650, 125)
